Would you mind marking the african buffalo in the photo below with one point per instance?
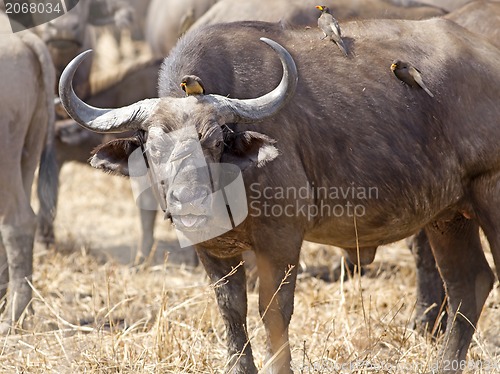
(26, 125)
(330, 124)
(128, 84)
(480, 17)
(447, 5)
(140, 9)
(162, 37)
(70, 34)
(66, 37)
(167, 20)
(299, 12)
(295, 12)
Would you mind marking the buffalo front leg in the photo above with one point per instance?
(231, 297)
(486, 195)
(277, 269)
(147, 205)
(4, 276)
(18, 243)
(430, 290)
(468, 280)
(148, 218)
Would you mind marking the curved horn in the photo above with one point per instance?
(253, 110)
(95, 119)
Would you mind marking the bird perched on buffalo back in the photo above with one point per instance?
(330, 27)
(409, 74)
(192, 85)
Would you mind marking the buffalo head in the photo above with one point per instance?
(179, 137)
(69, 32)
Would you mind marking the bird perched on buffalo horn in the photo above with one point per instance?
(330, 27)
(410, 75)
(192, 85)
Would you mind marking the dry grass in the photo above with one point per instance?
(96, 316)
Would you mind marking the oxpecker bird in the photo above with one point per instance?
(330, 27)
(410, 75)
(192, 85)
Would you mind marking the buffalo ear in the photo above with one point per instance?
(113, 156)
(248, 148)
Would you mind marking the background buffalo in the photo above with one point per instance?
(94, 315)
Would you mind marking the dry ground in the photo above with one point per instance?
(95, 313)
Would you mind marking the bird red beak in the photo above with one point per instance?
(393, 67)
(319, 7)
(183, 85)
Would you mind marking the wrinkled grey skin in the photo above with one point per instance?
(26, 121)
(345, 124)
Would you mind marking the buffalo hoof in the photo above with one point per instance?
(45, 236)
(430, 321)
